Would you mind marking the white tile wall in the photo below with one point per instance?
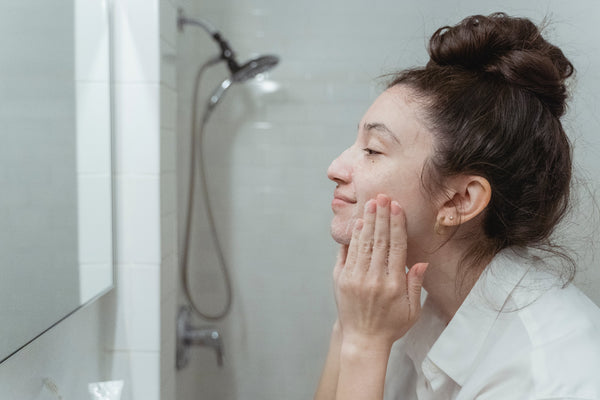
(93, 127)
(168, 66)
(137, 309)
(168, 23)
(168, 198)
(91, 41)
(136, 322)
(95, 229)
(139, 115)
(136, 344)
(140, 368)
(136, 41)
(138, 218)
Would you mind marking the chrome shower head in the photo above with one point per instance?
(252, 68)
(240, 74)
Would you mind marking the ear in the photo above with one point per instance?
(468, 195)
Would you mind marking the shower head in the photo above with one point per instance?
(241, 73)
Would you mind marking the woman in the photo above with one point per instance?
(461, 169)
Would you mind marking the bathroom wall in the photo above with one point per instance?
(129, 333)
(169, 275)
(267, 154)
(141, 349)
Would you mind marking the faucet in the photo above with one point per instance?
(188, 335)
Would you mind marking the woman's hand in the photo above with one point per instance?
(377, 300)
(377, 303)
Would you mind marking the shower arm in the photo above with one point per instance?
(226, 53)
(182, 20)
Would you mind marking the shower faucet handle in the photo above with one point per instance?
(206, 337)
(219, 351)
(188, 335)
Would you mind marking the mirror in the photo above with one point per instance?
(55, 163)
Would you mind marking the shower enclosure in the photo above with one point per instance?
(266, 171)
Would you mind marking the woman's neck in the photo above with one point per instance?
(448, 280)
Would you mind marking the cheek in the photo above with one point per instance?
(406, 189)
(402, 183)
(369, 182)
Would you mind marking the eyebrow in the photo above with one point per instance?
(382, 129)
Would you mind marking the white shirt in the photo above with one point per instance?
(518, 335)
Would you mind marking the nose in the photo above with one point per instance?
(340, 170)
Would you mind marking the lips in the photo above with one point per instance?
(340, 197)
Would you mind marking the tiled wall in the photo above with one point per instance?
(143, 348)
(94, 148)
(120, 337)
(168, 203)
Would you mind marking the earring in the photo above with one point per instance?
(451, 217)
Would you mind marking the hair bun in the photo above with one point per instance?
(512, 48)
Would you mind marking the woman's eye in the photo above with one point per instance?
(371, 152)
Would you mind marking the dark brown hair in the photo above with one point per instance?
(493, 93)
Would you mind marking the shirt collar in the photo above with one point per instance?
(459, 345)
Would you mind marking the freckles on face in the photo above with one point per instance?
(388, 157)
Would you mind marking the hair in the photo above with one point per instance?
(492, 94)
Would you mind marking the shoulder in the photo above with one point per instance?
(561, 314)
(564, 330)
(549, 348)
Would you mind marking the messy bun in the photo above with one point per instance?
(511, 48)
(492, 94)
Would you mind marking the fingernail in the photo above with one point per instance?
(383, 200)
(371, 206)
(395, 208)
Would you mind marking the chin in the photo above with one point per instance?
(341, 232)
(341, 239)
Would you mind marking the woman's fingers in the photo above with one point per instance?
(379, 240)
(398, 242)
(381, 237)
(365, 242)
(352, 255)
(414, 285)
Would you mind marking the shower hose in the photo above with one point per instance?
(197, 135)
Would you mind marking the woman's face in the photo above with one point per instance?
(387, 157)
